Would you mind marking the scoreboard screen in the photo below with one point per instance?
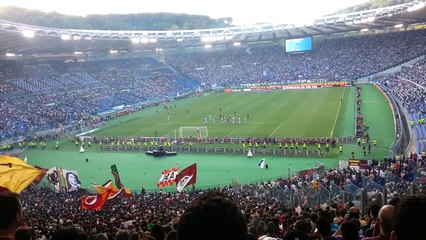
(298, 44)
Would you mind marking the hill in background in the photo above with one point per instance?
(372, 4)
(140, 21)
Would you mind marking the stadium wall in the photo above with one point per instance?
(285, 87)
(221, 150)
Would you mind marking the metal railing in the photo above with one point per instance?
(218, 150)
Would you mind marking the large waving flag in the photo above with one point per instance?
(168, 177)
(108, 186)
(71, 181)
(118, 183)
(41, 176)
(94, 202)
(186, 177)
(114, 172)
(53, 176)
(15, 174)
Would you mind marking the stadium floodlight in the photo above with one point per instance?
(364, 30)
(205, 39)
(208, 46)
(135, 40)
(208, 39)
(367, 20)
(398, 25)
(152, 40)
(220, 37)
(28, 33)
(237, 43)
(65, 37)
(10, 54)
(144, 40)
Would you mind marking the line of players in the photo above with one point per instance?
(225, 119)
(291, 145)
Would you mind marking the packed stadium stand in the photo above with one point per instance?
(318, 194)
(344, 58)
(408, 86)
(312, 204)
(58, 94)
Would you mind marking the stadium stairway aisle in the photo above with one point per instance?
(419, 131)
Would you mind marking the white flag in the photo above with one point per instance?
(261, 164)
(183, 182)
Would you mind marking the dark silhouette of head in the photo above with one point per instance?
(350, 229)
(66, 233)
(10, 213)
(323, 226)
(407, 218)
(212, 216)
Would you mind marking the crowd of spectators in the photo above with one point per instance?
(163, 215)
(50, 96)
(36, 97)
(345, 58)
(408, 85)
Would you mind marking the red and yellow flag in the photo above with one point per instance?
(94, 202)
(109, 186)
(167, 177)
(15, 174)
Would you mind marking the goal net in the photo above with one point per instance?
(193, 131)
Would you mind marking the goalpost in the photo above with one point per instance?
(193, 131)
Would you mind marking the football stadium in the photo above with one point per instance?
(143, 125)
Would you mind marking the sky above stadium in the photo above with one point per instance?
(242, 12)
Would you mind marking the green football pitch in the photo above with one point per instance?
(303, 113)
(290, 113)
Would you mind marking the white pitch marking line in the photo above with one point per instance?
(276, 129)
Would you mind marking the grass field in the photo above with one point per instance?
(291, 113)
(139, 170)
(303, 113)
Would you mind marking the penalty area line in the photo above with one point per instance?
(276, 129)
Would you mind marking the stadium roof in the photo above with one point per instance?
(34, 41)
